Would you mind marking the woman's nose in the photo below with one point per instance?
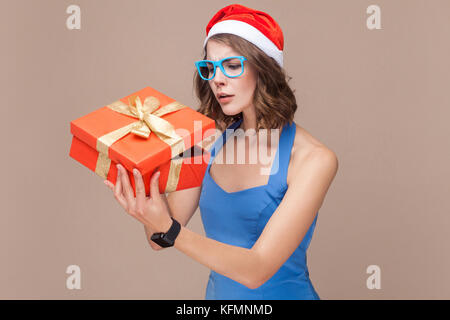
(219, 77)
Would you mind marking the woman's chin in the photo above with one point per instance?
(229, 111)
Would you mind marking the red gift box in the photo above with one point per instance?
(149, 131)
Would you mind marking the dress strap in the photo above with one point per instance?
(278, 175)
(220, 141)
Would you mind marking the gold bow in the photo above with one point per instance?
(149, 120)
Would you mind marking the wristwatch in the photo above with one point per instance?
(167, 239)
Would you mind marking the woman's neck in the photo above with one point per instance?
(246, 127)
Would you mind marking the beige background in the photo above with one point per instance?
(378, 98)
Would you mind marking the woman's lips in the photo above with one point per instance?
(226, 99)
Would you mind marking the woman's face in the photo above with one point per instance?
(241, 88)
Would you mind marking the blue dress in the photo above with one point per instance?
(238, 218)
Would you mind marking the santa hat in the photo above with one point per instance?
(254, 26)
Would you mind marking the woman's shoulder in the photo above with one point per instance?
(305, 142)
(305, 148)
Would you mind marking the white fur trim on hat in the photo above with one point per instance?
(249, 33)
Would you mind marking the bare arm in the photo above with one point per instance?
(182, 204)
(282, 234)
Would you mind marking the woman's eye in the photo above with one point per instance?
(234, 66)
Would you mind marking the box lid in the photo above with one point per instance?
(133, 151)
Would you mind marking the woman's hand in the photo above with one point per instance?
(152, 211)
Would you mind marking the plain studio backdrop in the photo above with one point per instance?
(378, 98)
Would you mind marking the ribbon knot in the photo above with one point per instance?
(144, 112)
(149, 119)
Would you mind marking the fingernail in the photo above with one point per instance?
(135, 172)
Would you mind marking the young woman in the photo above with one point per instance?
(258, 226)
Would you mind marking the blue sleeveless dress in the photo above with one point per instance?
(238, 218)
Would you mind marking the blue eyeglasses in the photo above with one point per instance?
(232, 67)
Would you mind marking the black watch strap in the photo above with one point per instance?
(174, 230)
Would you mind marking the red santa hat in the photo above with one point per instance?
(254, 26)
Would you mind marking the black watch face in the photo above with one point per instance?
(162, 242)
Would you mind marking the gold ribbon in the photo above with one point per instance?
(149, 120)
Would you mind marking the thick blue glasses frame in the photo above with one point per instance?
(216, 64)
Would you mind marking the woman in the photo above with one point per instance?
(258, 226)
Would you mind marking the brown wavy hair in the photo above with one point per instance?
(273, 99)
